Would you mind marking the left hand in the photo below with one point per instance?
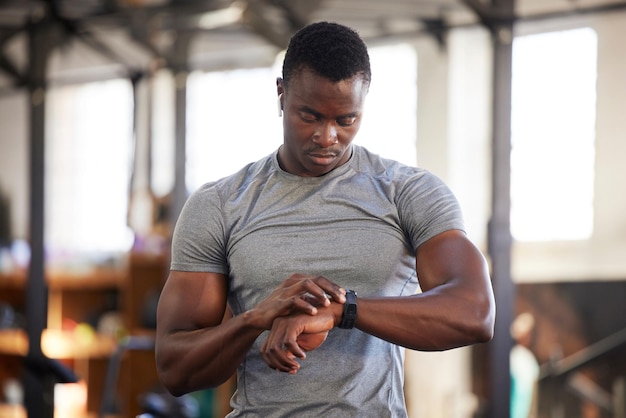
(291, 336)
(310, 341)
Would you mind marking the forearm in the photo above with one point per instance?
(197, 347)
(437, 320)
(204, 358)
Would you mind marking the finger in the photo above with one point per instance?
(315, 295)
(325, 290)
(317, 290)
(305, 304)
(273, 350)
(279, 359)
(294, 349)
(294, 370)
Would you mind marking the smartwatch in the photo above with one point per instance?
(349, 311)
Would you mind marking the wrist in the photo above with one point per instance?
(337, 311)
(253, 318)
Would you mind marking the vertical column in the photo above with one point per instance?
(619, 397)
(499, 228)
(180, 69)
(37, 389)
(141, 199)
(40, 372)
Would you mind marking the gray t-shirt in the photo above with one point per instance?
(358, 225)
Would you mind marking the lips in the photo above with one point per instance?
(319, 155)
(322, 158)
(323, 153)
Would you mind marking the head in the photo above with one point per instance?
(522, 328)
(326, 76)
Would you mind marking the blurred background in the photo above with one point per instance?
(113, 111)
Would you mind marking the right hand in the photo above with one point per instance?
(300, 293)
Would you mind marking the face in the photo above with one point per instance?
(320, 120)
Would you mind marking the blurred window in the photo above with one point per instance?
(233, 115)
(232, 120)
(553, 134)
(88, 161)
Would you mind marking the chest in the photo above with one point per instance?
(350, 237)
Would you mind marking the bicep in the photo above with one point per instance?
(191, 300)
(451, 258)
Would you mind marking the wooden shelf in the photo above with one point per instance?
(13, 343)
(12, 411)
(97, 278)
(83, 297)
(18, 411)
(58, 344)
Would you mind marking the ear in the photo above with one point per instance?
(280, 104)
(280, 89)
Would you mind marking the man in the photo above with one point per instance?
(318, 249)
(524, 368)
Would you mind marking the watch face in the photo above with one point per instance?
(349, 311)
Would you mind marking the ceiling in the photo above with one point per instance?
(138, 35)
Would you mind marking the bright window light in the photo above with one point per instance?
(88, 144)
(389, 125)
(232, 120)
(552, 134)
(232, 116)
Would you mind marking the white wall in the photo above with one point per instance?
(15, 159)
(453, 141)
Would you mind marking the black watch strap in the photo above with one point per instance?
(349, 311)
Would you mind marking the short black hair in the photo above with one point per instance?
(331, 50)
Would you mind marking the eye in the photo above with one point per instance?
(346, 120)
(308, 117)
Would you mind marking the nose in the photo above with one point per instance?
(325, 135)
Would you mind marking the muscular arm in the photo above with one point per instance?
(191, 337)
(196, 349)
(456, 306)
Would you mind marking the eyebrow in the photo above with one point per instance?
(318, 114)
(311, 111)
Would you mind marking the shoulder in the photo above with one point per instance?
(236, 182)
(426, 206)
(388, 170)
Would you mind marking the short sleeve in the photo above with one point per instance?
(427, 207)
(198, 241)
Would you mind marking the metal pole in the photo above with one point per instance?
(499, 229)
(180, 69)
(619, 397)
(40, 373)
(37, 392)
